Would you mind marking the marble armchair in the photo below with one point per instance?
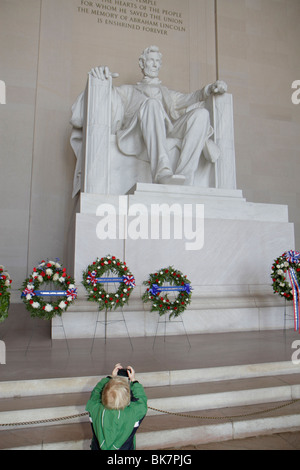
(103, 169)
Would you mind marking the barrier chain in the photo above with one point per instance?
(64, 418)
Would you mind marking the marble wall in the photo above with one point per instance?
(258, 55)
(50, 45)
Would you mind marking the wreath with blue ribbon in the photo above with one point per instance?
(94, 279)
(286, 280)
(5, 284)
(48, 272)
(161, 303)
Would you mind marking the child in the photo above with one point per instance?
(117, 406)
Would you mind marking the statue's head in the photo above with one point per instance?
(150, 62)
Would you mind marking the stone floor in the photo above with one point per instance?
(283, 441)
(31, 354)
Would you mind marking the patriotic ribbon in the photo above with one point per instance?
(51, 293)
(294, 257)
(155, 289)
(296, 296)
(91, 278)
(28, 290)
(72, 293)
(110, 279)
(188, 288)
(129, 280)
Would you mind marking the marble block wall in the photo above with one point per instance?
(229, 268)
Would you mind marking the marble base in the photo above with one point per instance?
(229, 272)
(209, 312)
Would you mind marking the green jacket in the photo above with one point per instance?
(113, 427)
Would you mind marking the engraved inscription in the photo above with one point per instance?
(140, 15)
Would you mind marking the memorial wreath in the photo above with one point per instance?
(48, 272)
(176, 282)
(94, 280)
(5, 284)
(286, 279)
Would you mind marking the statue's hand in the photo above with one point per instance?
(219, 87)
(102, 73)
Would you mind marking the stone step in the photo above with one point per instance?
(219, 424)
(166, 431)
(199, 391)
(187, 397)
(39, 387)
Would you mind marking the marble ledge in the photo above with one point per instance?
(141, 323)
(218, 203)
(174, 190)
(202, 299)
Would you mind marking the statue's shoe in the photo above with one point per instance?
(172, 179)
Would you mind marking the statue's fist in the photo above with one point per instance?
(219, 87)
(102, 73)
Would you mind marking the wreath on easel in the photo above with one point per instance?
(5, 284)
(281, 267)
(286, 280)
(48, 272)
(161, 303)
(94, 280)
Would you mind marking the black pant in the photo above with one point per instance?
(128, 444)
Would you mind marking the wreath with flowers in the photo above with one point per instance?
(286, 280)
(5, 284)
(161, 303)
(290, 260)
(48, 272)
(94, 280)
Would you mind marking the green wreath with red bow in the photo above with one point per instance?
(34, 294)
(286, 280)
(168, 280)
(5, 285)
(280, 273)
(94, 280)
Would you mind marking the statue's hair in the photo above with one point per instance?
(116, 394)
(147, 51)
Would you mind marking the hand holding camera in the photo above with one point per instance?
(128, 372)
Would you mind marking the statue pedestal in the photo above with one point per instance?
(227, 255)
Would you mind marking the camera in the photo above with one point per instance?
(123, 373)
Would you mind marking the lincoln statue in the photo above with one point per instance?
(145, 115)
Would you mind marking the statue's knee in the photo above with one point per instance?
(199, 116)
